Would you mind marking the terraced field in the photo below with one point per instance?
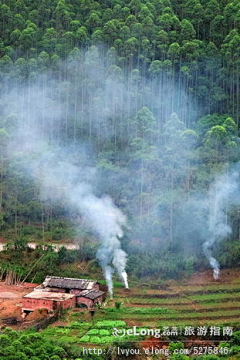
(196, 302)
(193, 302)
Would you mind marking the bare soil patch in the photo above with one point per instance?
(11, 301)
(205, 278)
(8, 295)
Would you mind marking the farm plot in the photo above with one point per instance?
(191, 302)
(178, 305)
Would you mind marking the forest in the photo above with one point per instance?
(144, 93)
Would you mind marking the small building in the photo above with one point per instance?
(47, 300)
(90, 298)
(64, 284)
(61, 292)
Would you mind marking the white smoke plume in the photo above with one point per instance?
(125, 279)
(212, 261)
(119, 261)
(61, 180)
(91, 102)
(221, 194)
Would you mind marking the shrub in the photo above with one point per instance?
(85, 338)
(93, 332)
(78, 325)
(236, 338)
(8, 351)
(179, 357)
(104, 332)
(21, 356)
(235, 350)
(4, 341)
(13, 334)
(173, 346)
(107, 339)
(118, 305)
(95, 340)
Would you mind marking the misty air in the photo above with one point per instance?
(119, 179)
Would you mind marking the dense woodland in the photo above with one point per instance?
(146, 92)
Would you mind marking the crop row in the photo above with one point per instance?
(181, 300)
(188, 315)
(205, 306)
(214, 287)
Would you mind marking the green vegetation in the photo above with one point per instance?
(30, 345)
(146, 93)
(151, 60)
(141, 311)
(110, 324)
(211, 298)
(76, 332)
(36, 264)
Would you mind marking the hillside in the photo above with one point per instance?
(199, 304)
(119, 161)
(146, 94)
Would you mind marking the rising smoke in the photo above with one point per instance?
(223, 193)
(60, 176)
(205, 214)
(61, 180)
(56, 123)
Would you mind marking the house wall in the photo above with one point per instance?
(90, 303)
(82, 300)
(67, 304)
(32, 304)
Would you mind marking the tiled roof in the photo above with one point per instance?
(92, 294)
(68, 283)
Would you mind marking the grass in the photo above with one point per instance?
(205, 288)
(181, 299)
(205, 306)
(217, 296)
(141, 311)
(211, 305)
(171, 315)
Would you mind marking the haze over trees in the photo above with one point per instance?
(147, 92)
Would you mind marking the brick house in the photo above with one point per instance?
(63, 284)
(47, 300)
(90, 298)
(60, 292)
